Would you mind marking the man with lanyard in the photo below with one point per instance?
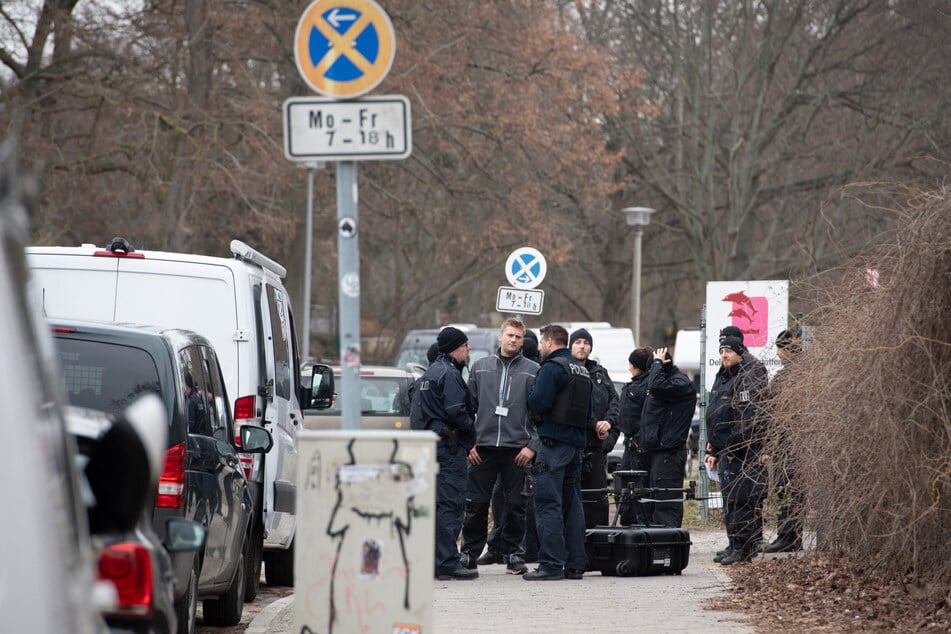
(561, 398)
(446, 410)
(505, 444)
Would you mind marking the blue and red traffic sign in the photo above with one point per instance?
(344, 48)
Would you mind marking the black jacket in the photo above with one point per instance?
(631, 405)
(444, 400)
(668, 408)
(735, 413)
(604, 405)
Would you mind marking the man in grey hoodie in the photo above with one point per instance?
(505, 442)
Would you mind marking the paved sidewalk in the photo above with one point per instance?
(499, 602)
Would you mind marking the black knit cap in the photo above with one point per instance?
(640, 362)
(450, 338)
(733, 343)
(789, 340)
(581, 333)
(731, 331)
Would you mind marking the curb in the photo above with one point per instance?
(262, 621)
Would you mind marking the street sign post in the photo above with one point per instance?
(523, 301)
(372, 128)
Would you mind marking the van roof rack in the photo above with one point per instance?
(242, 251)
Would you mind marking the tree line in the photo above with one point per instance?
(745, 124)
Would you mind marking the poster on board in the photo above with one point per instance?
(760, 309)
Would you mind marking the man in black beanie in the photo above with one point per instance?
(665, 424)
(446, 410)
(631, 405)
(736, 424)
(604, 409)
(790, 499)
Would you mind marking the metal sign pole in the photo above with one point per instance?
(348, 278)
(308, 255)
(702, 441)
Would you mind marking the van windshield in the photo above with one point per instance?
(104, 376)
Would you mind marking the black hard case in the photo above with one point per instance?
(637, 550)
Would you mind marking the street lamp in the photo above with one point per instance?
(640, 217)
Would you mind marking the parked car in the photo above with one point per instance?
(66, 504)
(412, 352)
(105, 367)
(384, 401)
(240, 304)
(136, 561)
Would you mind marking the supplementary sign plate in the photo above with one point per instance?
(372, 128)
(520, 300)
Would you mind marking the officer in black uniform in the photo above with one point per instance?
(561, 398)
(630, 406)
(604, 409)
(446, 410)
(737, 428)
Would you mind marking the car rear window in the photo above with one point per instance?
(106, 376)
(378, 396)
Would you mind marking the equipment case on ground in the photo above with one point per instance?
(637, 550)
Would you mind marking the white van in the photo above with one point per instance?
(241, 306)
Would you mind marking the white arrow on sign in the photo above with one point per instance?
(335, 18)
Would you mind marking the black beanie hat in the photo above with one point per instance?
(581, 333)
(432, 352)
(530, 334)
(450, 338)
(788, 340)
(733, 343)
(731, 331)
(639, 362)
(530, 348)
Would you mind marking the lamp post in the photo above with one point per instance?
(640, 217)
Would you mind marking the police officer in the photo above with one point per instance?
(665, 424)
(446, 410)
(789, 522)
(736, 425)
(604, 409)
(630, 406)
(561, 398)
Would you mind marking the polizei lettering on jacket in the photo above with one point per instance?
(573, 400)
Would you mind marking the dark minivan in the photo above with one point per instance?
(108, 366)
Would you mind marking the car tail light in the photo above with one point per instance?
(171, 488)
(129, 568)
(245, 410)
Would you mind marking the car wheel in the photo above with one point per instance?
(187, 604)
(253, 564)
(227, 609)
(279, 567)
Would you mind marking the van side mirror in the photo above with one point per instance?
(317, 383)
(255, 439)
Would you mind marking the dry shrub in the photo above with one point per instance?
(868, 400)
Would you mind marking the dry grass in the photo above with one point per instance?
(865, 426)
